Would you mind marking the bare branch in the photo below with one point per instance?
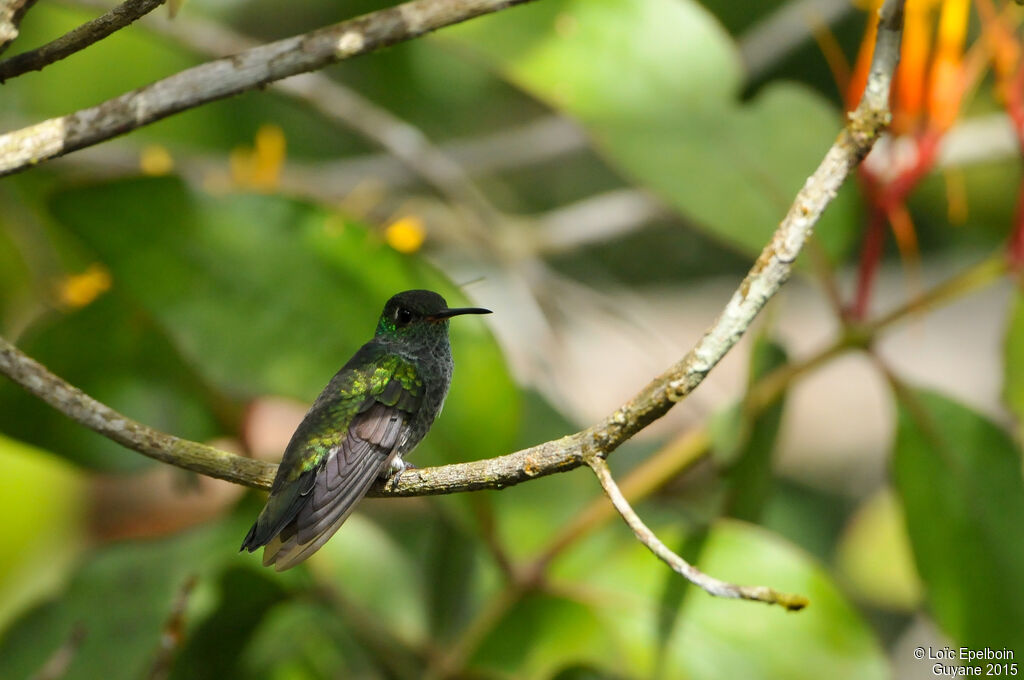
(538, 141)
(244, 71)
(597, 218)
(173, 632)
(771, 270)
(11, 12)
(691, 573)
(104, 420)
(875, 100)
(78, 39)
(981, 139)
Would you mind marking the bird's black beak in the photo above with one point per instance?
(449, 313)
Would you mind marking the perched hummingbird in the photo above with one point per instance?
(374, 411)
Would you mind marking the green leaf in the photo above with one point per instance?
(959, 477)
(609, 60)
(722, 639)
(874, 555)
(43, 499)
(119, 599)
(213, 648)
(656, 83)
(377, 572)
(542, 633)
(1013, 385)
(262, 294)
(750, 472)
(307, 639)
(15, 278)
(301, 639)
(449, 573)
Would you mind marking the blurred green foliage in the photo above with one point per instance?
(1013, 349)
(670, 127)
(959, 476)
(221, 295)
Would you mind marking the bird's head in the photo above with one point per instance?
(417, 312)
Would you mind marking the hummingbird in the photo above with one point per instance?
(372, 413)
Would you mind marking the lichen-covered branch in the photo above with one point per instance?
(104, 420)
(240, 72)
(770, 271)
(77, 39)
(11, 12)
(691, 573)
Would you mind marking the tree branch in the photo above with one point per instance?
(771, 270)
(11, 12)
(596, 218)
(77, 39)
(104, 420)
(539, 141)
(709, 584)
(225, 77)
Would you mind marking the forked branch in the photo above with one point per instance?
(691, 573)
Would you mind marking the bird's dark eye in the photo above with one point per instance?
(403, 316)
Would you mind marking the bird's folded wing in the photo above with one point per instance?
(347, 473)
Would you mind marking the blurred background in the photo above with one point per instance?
(601, 174)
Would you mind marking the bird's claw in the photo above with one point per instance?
(396, 470)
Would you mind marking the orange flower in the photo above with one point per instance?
(946, 81)
(910, 76)
(259, 168)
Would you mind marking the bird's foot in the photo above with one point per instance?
(395, 471)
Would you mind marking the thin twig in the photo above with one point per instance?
(11, 12)
(597, 218)
(691, 573)
(173, 632)
(225, 77)
(539, 141)
(56, 667)
(972, 278)
(77, 39)
(667, 463)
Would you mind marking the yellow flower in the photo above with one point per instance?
(78, 290)
(260, 167)
(406, 234)
(155, 160)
